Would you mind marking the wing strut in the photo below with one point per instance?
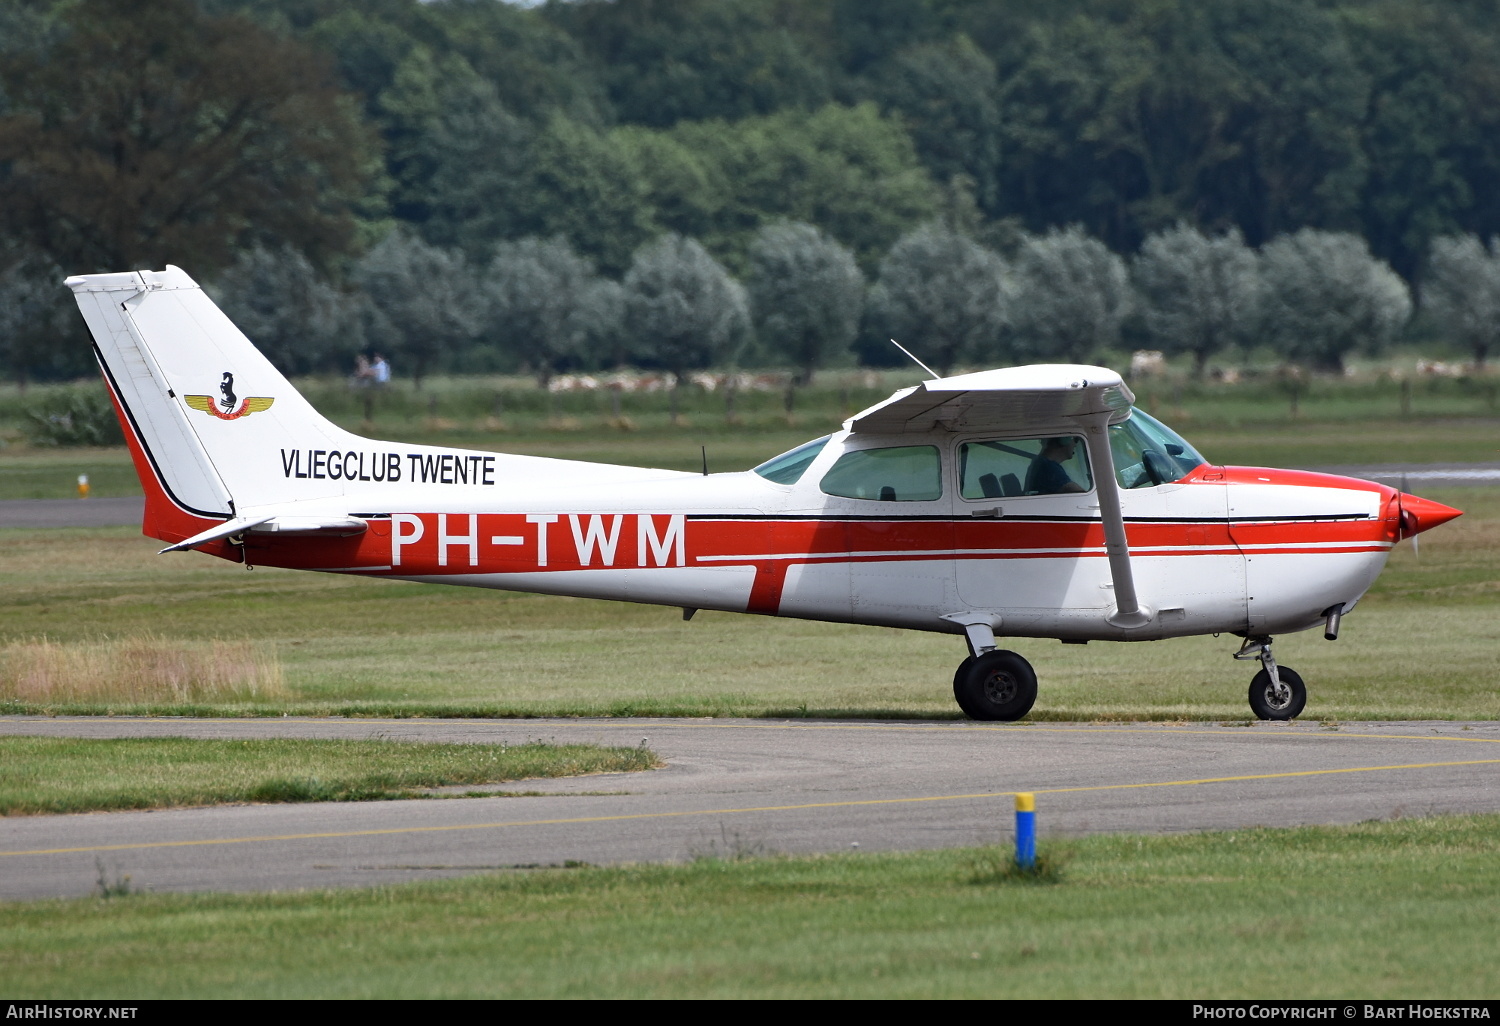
(1128, 610)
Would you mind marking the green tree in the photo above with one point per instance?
(456, 155)
(943, 296)
(692, 60)
(866, 32)
(26, 28)
(1432, 128)
(581, 184)
(1094, 134)
(1072, 294)
(848, 170)
(1197, 294)
(367, 48)
(1461, 292)
(806, 295)
(1326, 296)
(536, 69)
(547, 305)
(1299, 159)
(682, 309)
(947, 96)
(1128, 117)
(300, 322)
(39, 325)
(149, 132)
(422, 300)
(683, 186)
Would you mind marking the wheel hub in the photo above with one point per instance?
(1278, 696)
(1000, 688)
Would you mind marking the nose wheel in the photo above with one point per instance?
(1269, 703)
(1276, 692)
(996, 685)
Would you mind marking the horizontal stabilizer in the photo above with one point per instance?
(336, 527)
(270, 523)
(223, 530)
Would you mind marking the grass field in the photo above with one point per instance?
(1379, 910)
(386, 648)
(53, 775)
(1421, 645)
(1392, 910)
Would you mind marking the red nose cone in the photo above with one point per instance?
(1418, 515)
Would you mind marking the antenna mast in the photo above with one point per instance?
(914, 360)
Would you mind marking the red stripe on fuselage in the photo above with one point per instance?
(503, 543)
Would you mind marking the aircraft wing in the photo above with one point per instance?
(1045, 398)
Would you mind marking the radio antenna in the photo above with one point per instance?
(914, 360)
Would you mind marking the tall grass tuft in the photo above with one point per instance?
(142, 669)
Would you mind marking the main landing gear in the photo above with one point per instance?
(1000, 685)
(1277, 692)
(995, 685)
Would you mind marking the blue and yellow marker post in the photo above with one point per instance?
(1025, 830)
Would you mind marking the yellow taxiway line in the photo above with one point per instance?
(761, 808)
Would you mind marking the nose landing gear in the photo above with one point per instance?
(1276, 692)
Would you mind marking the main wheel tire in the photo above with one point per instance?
(995, 686)
(1263, 697)
(958, 674)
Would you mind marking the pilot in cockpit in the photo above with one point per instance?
(1047, 476)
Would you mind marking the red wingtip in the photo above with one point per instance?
(1418, 514)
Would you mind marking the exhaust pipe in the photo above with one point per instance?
(1333, 615)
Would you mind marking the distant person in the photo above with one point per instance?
(363, 374)
(1047, 475)
(380, 371)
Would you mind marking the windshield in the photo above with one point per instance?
(1147, 452)
(789, 466)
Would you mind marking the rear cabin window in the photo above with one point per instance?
(789, 467)
(1023, 466)
(906, 473)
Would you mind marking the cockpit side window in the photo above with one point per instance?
(905, 473)
(789, 467)
(1148, 453)
(1023, 466)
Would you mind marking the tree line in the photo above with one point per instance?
(473, 185)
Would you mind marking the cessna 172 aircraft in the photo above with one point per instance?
(1030, 502)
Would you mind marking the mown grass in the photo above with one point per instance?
(1393, 910)
(44, 473)
(58, 775)
(1421, 645)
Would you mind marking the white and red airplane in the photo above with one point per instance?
(1030, 502)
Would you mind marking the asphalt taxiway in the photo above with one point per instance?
(736, 786)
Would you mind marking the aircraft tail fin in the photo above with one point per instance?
(204, 413)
